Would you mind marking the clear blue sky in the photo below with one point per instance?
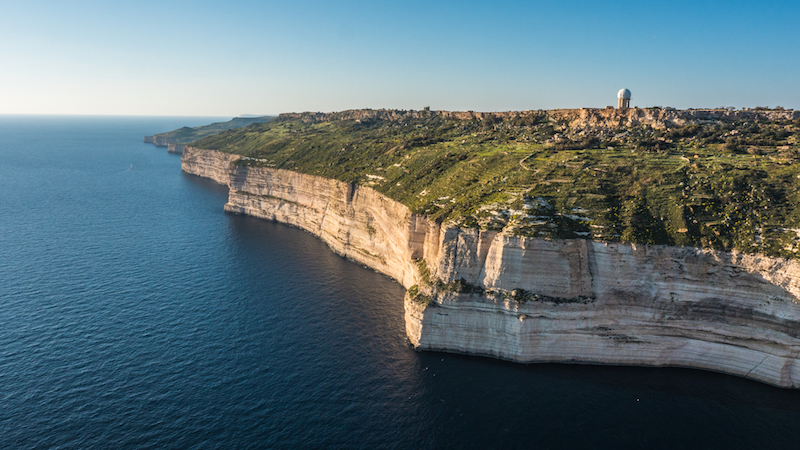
(265, 57)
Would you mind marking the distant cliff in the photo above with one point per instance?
(526, 299)
(175, 140)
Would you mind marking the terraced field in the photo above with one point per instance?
(715, 184)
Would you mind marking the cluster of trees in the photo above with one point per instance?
(577, 144)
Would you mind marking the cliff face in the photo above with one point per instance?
(207, 164)
(531, 300)
(355, 222)
(175, 148)
(583, 301)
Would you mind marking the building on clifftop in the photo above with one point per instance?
(623, 99)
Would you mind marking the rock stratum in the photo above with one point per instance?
(536, 300)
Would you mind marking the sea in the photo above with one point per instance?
(135, 313)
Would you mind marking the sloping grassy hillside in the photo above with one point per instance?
(717, 185)
(186, 135)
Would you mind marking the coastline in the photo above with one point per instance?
(535, 300)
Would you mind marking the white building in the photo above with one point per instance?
(623, 99)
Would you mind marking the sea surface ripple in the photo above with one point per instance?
(134, 313)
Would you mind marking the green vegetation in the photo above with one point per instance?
(722, 185)
(417, 297)
(430, 287)
(521, 296)
(186, 135)
(428, 282)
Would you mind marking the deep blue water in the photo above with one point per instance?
(134, 313)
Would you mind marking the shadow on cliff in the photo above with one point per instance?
(205, 183)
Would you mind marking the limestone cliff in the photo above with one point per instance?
(583, 301)
(531, 300)
(207, 164)
(175, 148)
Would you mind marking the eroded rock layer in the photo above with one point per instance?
(207, 164)
(534, 300)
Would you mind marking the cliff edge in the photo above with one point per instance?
(525, 299)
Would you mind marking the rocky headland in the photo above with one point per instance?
(175, 140)
(492, 292)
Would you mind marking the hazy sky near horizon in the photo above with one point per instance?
(266, 57)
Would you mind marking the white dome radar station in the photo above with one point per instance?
(623, 99)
